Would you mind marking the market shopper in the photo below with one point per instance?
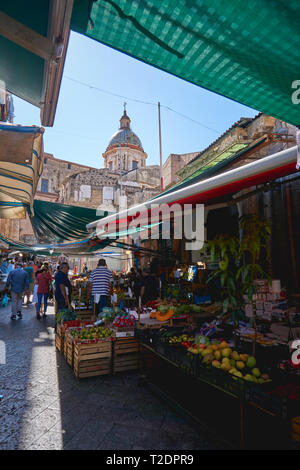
(43, 281)
(18, 282)
(63, 287)
(30, 272)
(4, 266)
(137, 284)
(149, 286)
(100, 286)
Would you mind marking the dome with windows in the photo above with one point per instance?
(124, 136)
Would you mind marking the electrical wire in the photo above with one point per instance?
(149, 103)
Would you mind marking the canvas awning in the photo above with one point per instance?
(34, 37)
(54, 222)
(77, 248)
(225, 184)
(246, 51)
(21, 165)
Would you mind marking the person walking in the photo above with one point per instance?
(18, 282)
(30, 271)
(62, 287)
(43, 281)
(4, 266)
(100, 285)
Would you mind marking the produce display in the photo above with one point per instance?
(120, 295)
(173, 291)
(65, 315)
(92, 334)
(107, 314)
(124, 321)
(185, 340)
(220, 355)
(166, 310)
(164, 313)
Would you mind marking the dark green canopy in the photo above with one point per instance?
(54, 223)
(245, 50)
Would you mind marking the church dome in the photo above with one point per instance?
(124, 136)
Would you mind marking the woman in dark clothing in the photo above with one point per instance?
(137, 284)
(149, 286)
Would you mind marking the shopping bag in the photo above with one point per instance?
(4, 301)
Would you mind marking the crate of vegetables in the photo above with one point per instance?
(60, 330)
(92, 347)
(124, 325)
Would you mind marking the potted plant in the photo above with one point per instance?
(239, 267)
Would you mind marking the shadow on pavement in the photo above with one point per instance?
(46, 407)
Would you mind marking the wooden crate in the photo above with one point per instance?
(84, 315)
(92, 359)
(59, 330)
(69, 349)
(59, 342)
(65, 347)
(126, 354)
(125, 346)
(125, 362)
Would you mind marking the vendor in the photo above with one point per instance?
(149, 286)
(100, 286)
(63, 287)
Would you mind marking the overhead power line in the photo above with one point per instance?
(149, 103)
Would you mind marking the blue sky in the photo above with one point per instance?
(86, 118)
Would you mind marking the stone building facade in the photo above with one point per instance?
(260, 136)
(124, 181)
(173, 164)
(55, 171)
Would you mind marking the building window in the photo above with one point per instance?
(69, 166)
(134, 165)
(110, 166)
(44, 186)
(45, 161)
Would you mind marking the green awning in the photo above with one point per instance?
(77, 248)
(215, 165)
(246, 51)
(34, 37)
(54, 223)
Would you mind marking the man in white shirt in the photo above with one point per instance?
(100, 286)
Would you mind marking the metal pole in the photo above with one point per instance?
(160, 151)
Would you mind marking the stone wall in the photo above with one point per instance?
(101, 187)
(248, 130)
(174, 163)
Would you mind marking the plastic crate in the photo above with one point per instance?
(181, 357)
(260, 394)
(221, 379)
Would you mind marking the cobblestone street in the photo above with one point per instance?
(45, 407)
